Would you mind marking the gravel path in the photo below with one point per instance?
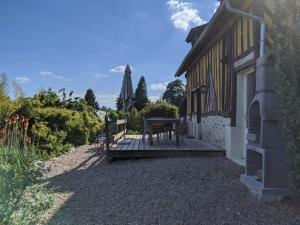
(176, 191)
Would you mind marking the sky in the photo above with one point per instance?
(77, 44)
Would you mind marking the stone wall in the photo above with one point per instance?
(213, 130)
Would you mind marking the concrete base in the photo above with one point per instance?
(262, 193)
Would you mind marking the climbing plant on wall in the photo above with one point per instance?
(286, 55)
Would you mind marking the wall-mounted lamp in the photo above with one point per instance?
(203, 89)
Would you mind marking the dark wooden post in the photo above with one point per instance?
(125, 128)
(107, 132)
(199, 106)
(177, 133)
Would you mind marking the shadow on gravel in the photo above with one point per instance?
(74, 181)
(177, 191)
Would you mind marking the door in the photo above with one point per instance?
(245, 94)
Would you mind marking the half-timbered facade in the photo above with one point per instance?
(220, 72)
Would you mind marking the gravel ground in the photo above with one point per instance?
(175, 191)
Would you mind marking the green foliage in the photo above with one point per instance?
(90, 98)
(48, 98)
(22, 201)
(7, 107)
(161, 109)
(56, 129)
(286, 54)
(56, 123)
(174, 93)
(3, 85)
(141, 95)
(134, 122)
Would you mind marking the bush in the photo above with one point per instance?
(57, 129)
(286, 53)
(161, 109)
(134, 122)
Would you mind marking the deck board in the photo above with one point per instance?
(162, 148)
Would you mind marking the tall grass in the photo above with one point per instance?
(22, 200)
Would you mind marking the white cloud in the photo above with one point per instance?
(22, 80)
(48, 74)
(120, 69)
(104, 99)
(159, 86)
(184, 15)
(99, 75)
(216, 6)
(58, 77)
(107, 100)
(154, 98)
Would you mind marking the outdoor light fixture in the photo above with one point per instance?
(203, 89)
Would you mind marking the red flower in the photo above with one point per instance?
(22, 118)
(13, 120)
(26, 123)
(28, 139)
(2, 132)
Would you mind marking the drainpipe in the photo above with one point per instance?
(256, 18)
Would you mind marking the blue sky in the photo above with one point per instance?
(77, 44)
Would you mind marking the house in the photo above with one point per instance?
(223, 55)
(231, 102)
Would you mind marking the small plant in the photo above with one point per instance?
(22, 200)
(14, 134)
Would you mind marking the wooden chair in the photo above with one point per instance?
(157, 128)
(183, 130)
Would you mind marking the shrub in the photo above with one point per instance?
(6, 109)
(56, 129)
(134, 122)
(160, 109)
(286, 53)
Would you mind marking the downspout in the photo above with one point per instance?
(256, 18)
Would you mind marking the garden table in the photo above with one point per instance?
(164, 121)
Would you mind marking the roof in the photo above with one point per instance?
(195, 31)
(210, 30)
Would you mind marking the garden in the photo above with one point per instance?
(48, 124)
(32, 130)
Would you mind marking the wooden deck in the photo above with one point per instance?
(133, 147)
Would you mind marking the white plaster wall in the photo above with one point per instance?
(194, 127)
(213, 130)
(235, 145)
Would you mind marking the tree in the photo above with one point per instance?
(174, 93)
(119, 103)
(141, 95)
(48, 98)
(90, 98)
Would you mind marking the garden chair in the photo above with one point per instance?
(157, 129)
(183, 130)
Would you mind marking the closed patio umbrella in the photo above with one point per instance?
(127, 90)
